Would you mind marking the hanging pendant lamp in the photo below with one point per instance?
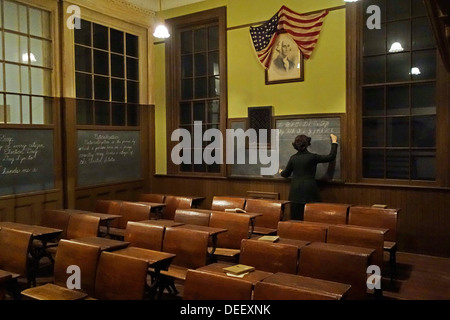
(161, 30)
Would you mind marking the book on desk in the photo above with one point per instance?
(238, 269)
(236, 210)
(269, 238)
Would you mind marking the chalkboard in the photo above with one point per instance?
(318, 128)
(26, 161)
(108, 156)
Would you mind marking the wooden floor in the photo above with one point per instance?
(419, 277)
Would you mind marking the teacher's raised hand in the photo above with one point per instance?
(333, 138)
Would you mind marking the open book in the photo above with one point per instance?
(238, 269)
(238, 210)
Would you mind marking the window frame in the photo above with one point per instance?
(173, 81)
(355, 22)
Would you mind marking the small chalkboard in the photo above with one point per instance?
(108, 156)
(26, 160)
(318, 128)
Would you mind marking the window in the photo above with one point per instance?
(106, 75)
(399, 93)
(26, 65)
(198, 81)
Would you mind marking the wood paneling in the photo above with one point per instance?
(423, 226)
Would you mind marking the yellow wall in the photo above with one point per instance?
(322, 91)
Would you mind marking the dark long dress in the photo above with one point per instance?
(302, 166)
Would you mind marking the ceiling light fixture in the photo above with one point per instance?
(161, 30)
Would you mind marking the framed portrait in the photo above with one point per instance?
(286, 64)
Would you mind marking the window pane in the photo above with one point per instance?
(118, 90)
(82, 59)
(13, 108)
(41, 81)
(1, 82)
(398, 67)
(425, 61)
(132, 92)
(186, 42)
(13, 78)
(424, 131)
(373, 132)
(117, 41)
(132, 69)
(2, 108)
(200, 64)
(119, 114)
(11, 14)
(201, 89)
(200, 40)
(187, 68)
(423, 165)
(213, 63)
(85, 112)
(398, 132)
(424, 99)
(41, 52)
(83, 85)
(23, 20)
(38, 110)
(132, 45)
(185, 113)
(398, 9)
(12, 49)
(100, 36)
(102, 112)
(214, 87)
(101, 63)
(117, 66)
(397, 100)
(399, 31)
(1, 41)
(397, 164)
(83, 35)
(39, 23)
(213, 38)
(187, 88)
(421, 34)
(418, 8)
(374, 69)
(373, 101)
(199, 111)
(101, 88)
(214, 112)
(373, 164)
(26, 114)
(133, 115)
(24, 79)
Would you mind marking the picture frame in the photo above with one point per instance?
(289, 69)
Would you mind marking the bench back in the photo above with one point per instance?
(120, 277)
(237, 225)
(269, 256)
(339, 263)
(14, 250)
(82, 225)
(144, 235)
(173, 203)
(375, 217)
(332, 213)
(359, 237)
(133, 211)
(189, 246)
(58, 219)
(192, 216)
(220, 203)
(271, 210)
(84, 256)
(152, 197)
(303, 230)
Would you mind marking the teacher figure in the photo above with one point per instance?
(302, 166)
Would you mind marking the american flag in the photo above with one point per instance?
(304, 30)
